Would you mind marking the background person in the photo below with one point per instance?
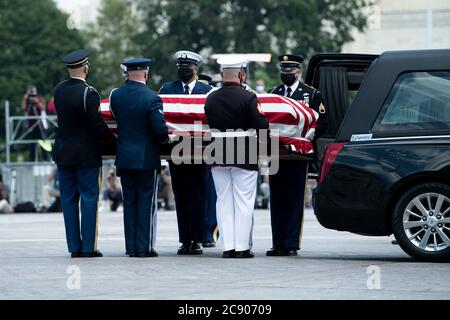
(33, 104)
(113, 191)
(51, 190)
(5, 207)
(165, 188)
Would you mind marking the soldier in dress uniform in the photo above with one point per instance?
(233, 107)
(287, 186)
(77, 153)
(141, 129)
(191, 183)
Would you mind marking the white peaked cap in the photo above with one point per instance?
(232, 62)
(188, 55)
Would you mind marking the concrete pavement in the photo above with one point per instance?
(34, 264)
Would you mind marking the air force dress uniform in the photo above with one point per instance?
(190, 182)
(287, 186)
(233, 107)
(77, 153)
(141, 128)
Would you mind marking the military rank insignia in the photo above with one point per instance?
(321, 108)
(306, 98)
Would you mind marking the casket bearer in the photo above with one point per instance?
(77, 153)
(191, 182)
(287, 186)
(233, 107)
(141, 128)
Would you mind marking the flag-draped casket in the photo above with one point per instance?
(292, 122)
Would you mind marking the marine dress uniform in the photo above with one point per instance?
(77, 154)
(287, 186)
(190, 182)
(233, 107)
(141, 129)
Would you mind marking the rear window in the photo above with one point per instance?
(418, 101)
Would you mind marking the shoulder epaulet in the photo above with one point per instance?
(64, 81)
(272, 90)
(92, 89)
(311, 87)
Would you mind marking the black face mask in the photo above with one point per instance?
(288, 78)
(185, 74)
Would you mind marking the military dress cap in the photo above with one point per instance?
(231, 62)
(136, 64)
(204, 77)
(188, 57)
(290, 60)
(76, 59)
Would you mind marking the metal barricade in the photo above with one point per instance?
(27, 180)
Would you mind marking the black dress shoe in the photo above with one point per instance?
(274, 252)
(195, 248)
(94, 254)
(209, 244)
(244, 254)
(75, 254)
(184, 249)
(288, 253)
(150, 254)
(228, 254)
(131, 254)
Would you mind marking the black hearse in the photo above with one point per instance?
(386, 156)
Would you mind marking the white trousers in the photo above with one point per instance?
(236, 193)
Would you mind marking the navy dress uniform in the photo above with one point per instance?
(234, 107)
(287, 186)
(191, 183)
(77, 153)
(141, 129)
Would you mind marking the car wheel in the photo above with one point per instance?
(421, 222)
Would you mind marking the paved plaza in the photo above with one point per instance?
(34, 264)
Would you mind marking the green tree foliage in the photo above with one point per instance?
(111, 40)
(34, 38)
(246, 26)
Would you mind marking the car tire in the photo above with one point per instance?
(415, 222)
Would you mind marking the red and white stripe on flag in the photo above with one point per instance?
(294, 121)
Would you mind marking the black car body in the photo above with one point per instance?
(386, 159)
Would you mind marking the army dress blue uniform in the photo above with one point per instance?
(77, 153)
(141, 129)
(192, 183)
(287, 186)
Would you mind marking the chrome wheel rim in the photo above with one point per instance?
(426, 222)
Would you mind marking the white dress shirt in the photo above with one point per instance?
(293, 88)
(190, 85)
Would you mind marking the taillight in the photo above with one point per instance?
(331, 152)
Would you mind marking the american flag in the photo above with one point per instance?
(293, 120)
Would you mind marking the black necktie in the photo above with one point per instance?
(289, 91)
(186, 89)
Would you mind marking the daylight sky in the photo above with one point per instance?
(69, 5)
